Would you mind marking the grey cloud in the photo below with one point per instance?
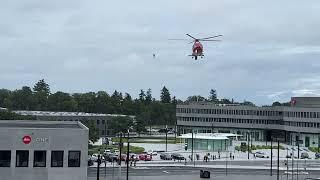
(270, 49)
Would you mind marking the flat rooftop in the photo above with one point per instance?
(79, 114)
(36, 124)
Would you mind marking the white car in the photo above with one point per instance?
(153, 153)
(261, 155)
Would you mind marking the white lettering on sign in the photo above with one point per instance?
(42, 140)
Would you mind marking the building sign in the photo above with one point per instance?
(26, 139)
(42, 140)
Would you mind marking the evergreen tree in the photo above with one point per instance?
(142, 96)
(42, 91)
(213, 96)
(165, 95)
(148, 96)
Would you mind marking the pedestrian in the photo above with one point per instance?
(232, 156)
(219, 156)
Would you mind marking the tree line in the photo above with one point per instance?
(145, 107)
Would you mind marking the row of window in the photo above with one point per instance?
(302, 124)
(250, 121)
(39, 158)
(250, 112)
(230, 120)
(229, 112)
(302, 114)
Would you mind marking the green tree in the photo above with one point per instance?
(213, 95)
(195, 98)
(42, 91)
(102, 103)
(165, 95)
(4, 94)
(86, 101)
(121, 124)
(142, 96)
(148, 96)
(61, 101)
(140, 124)
(93, 130)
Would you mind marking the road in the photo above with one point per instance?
(254, 163)
(186, 173)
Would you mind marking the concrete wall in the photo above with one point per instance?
(59, 139)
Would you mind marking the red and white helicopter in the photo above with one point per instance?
(197, 48)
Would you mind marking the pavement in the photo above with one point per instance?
(188, 173)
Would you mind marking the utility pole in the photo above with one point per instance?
(106, 143)
(248, 137)
(120, 149)
(98, 167)
(192, 146)
(166, 138)
(271, 158)
(128, 158)
(278, 162)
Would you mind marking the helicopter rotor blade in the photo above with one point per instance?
(178, 39)
(210, 40)
(191, 36)
(210, 37)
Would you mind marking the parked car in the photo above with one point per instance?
(111, 157)
(165, 156)
(317, 155)
(151, 152)
(304, 155)
(145, 157)
(260, 154)
(177, 156)
(90, 162)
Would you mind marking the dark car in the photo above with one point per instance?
(177, 156)
(111, 157)
(165, 156)
(90, 162)
(317, 155)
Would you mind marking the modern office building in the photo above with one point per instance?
(43, 150)
(100, 120)
(300, 121)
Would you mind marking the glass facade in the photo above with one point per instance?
(208, 144)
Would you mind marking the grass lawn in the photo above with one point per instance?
(148, 140)
(132, 149)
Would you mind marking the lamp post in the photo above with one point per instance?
(248, 138)
(128, 158)
(271, 156)
(98, 167)
(194, 162)
(278, 162)
(166, 138)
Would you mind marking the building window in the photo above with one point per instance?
(39, 159)
(74, 159)
(5, 158)
(22, 158)
(98, 121)
(57, 159)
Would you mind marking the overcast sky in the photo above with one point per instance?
(270, 49)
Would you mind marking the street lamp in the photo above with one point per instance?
(98, 168)
(128, 158)
(166, 138)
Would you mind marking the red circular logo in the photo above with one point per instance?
(26, 139)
